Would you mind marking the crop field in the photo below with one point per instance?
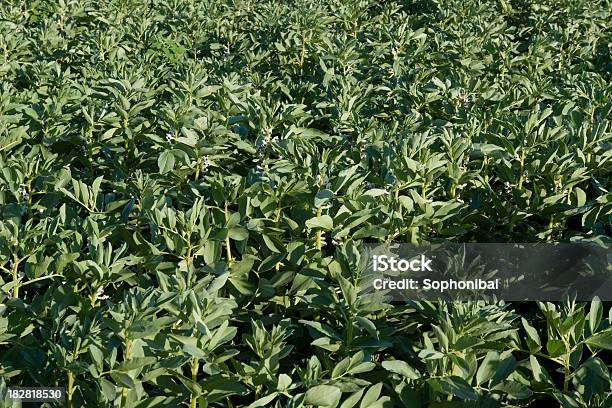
(186, 186)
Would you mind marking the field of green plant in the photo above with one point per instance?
(185, 187)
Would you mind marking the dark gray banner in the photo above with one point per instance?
(510, 272)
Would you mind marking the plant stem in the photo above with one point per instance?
(194, 377)
(551, 224)
(303, 51)
(520, 181)
(126, 356)
(228, 249)
(30, 199)
(15, 277)
(349, 334)
(69, 388)
(566, 366)
(318, 238)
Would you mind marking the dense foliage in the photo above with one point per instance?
(185, 186)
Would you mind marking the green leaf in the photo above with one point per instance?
(515, 390)
(487, 368)
(536, 369)
(324, 222)
(284, 381)
(371, 396)
(533, 338)
(555, 347)
(323, 396)
(166, 161)
(581, 197)
(595, 314)
(323, 197)
(135, 362)
(264, 401)
(122, 379)
(454, 385)
(441, 336)
(565, 400)
(401, 368)
(601, 340)
(352, 401)
(503, 369)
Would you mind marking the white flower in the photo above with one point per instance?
(20, 275)
(100, 293)
(23, 193)
(516, 156)
(262, 143)
(206, 163)
(169, 136)
(459, 200)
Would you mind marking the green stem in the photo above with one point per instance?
(303, 51)
(69, 388)
(228, 249)
(520, 182)
(189, 256)
(318, 238)
(566, 366)
(39, 279)
(276, 220)
(349, 335)
(194, 377)
(551, 224)
(29, 199)
(90, 149)
(126, 356)
(15, 277)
